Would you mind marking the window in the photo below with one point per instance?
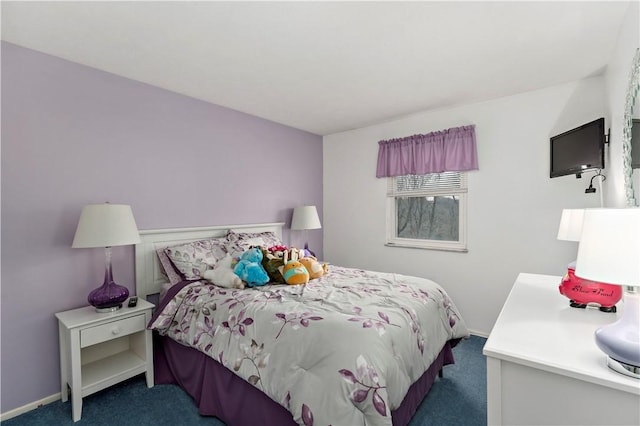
(427, 211)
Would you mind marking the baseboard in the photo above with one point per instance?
(478, 333)
(28, 407)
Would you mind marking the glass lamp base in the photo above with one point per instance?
(109, 296)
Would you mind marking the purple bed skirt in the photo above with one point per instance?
(218, 392)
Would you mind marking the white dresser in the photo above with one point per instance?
(543, 365)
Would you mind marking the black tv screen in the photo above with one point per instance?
(578, 150)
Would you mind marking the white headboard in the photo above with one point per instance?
(149, 277)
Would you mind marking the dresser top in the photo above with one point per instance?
(539, 329)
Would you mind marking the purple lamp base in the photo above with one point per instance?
(109, 296)
(621, 339)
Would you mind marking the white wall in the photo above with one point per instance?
(514, 207)
(616, 83)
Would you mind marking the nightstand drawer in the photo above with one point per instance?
(112, 330)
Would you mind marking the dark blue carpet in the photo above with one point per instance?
(459, 398)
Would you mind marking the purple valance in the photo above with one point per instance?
(450, 150)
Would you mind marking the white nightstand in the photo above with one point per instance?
(544, 367)
(98, 350)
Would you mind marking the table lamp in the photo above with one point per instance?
(579, 291)
(570, 224)
(609, 251)
(305, 218)
(106, 225)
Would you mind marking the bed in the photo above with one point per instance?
(351, 347)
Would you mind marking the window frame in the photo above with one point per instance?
(393, 240)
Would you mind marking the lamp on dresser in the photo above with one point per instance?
(106, 225)
(609, 251)
(303, 219)
(570, 224)
(582, 292)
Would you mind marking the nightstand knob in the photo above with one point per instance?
(115, 330)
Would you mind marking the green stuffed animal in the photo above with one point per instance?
(272, 262)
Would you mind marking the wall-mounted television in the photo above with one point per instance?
(578, 150)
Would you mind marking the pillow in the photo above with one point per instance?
(168, 270)
(195, 257)
(239, 242)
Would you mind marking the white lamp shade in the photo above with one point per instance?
(609, 249)
(570, 224)
(106, 225)
(305, 217)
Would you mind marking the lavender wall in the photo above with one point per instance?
(73, 135)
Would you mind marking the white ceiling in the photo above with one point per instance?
(326, 67)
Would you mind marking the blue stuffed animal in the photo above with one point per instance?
(250, 269)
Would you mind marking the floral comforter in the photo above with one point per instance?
(342, 350)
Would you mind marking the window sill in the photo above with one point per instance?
(427, 247)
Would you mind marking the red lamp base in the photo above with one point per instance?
(583, 292)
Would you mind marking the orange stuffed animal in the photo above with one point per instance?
(315, 269)
(294, 272)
